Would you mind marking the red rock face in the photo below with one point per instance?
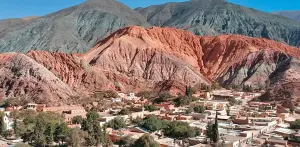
(135, 58)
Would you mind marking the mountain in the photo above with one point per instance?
(290, 14)
(13, 22)
(212, 17)
(21, 76)
(72, 30)
(135, 58)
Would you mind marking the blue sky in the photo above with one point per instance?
(23, 8)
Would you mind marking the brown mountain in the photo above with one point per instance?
(134, 58)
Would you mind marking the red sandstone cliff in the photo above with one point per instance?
(135, 58)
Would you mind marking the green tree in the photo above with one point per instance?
(117, 123)
(152, 123)
(38, 134)
(228, 110)
(179, 130)
(126, 141)
(215, 132)
(182, 100)
(60, 133)
(209, 130)
(76, 138)
(292, 110)
(150, 108)
(89, 140)
(77, 120)
(162, 97)
(199, 109)
(145, 141)
(49, 133)
(2, 124)
(189, 91)
(295, 124)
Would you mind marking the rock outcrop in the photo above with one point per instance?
(210, 17)
(135, 58)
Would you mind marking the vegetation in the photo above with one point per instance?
(295, 124)
(76, 138)
(163, 97)
(126, 141)
(77, 120)
(248, 88)
(212, 131)
(44, 129)
(180, 130)
(150, 108)
(183, 100)
(2, 125)
(145, 141)
(150, 95)
(199, 109)
(292, 110)
(117, 123)
(152, 123)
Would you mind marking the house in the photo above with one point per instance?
(67, 111)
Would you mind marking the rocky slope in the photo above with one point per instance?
(75, 29)
(21, 76)
(211, 17)
(13, 22)
(290, 14)
(135, 58)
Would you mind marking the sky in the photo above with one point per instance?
(23, 8)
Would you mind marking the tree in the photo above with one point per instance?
(126, 141)
(247, 88)
(77, 120)
(215, 132)
(209, 130)
(38, 134)
(295, 124)
(179, 130)
(124, 111)
(189, 91)
(199, 109)
(183, 100)
(145, 141)
(61, 132)
(76, 138)
(152, 123)
(228, 110)
(2, 124)
(49, 133)
(292, 109)
(162, 97)
(117, 123)
(232, 101)
(150, 108)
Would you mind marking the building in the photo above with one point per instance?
(67, 111)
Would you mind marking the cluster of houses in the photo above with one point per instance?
(249, 123)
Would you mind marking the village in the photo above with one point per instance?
(241, 119)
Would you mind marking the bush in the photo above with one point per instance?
(152, 123)
(117, 123)
(199, 109)
(150, 108)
